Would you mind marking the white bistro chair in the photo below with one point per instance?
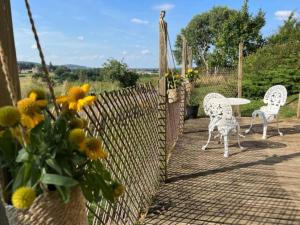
(221, 117)
(275, 97)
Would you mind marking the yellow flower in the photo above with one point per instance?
(9, 116)
(78, 123)
(118, 189)
(93, 150)
(77, 136)
(37, 94)
(23, 197)
(76, 97)
(190, 70)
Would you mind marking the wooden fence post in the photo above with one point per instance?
(162, 91)
(240, 75)
(9, 55)
(7, 40)
(190, 57)
(183, 56)
(298, 111)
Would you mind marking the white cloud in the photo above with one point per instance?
(124, 53)
(145, 52)
(33, 46)
(139, 21)
(80, 38)
(165, 6)
(284, 14)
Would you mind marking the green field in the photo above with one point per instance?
(27, 83)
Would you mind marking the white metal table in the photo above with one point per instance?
(237, 101)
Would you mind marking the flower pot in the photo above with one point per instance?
(172, 95)
(192, 111)
(48, 209)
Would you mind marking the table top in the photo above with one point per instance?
(238, 101)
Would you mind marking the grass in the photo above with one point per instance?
(27, 82)
(286, 111)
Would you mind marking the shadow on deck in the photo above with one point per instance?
(260, 185)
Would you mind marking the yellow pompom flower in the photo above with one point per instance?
(76, 97)
(23, 197)
(9, 116)
(77, 136)
(93, 150)
(118, 189)
(77, 123)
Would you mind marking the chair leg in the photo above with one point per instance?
(277, 121)
(209, 137)
(265, 128)
(238, 137)
(249, 129)
(226, 151)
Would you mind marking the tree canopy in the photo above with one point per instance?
(214, 35)
(277, 62)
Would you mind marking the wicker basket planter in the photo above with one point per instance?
(48, 209)
(172, 95)
(189, 86)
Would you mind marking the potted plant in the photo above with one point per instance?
(173, 82)
(191, 76)
(52, 166)
(192, 106)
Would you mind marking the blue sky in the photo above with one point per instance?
(90, 31)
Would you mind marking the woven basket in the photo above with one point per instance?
(189, 86)
(48, 209)
(172, 95)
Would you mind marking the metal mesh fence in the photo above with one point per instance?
(128, 122)
(223, 82)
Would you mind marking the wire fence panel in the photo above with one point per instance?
(129, 121)
(174, 120)
(223, 82)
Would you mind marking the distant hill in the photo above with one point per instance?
(29, 65)
(74, 67)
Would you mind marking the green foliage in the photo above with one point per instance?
(118, 70)
(63, 73)
(194, 99)
(278, 62)
(214, 36)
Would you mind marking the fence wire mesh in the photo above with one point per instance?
(223, 82)
(128, 121)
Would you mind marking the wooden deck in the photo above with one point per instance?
(260, 185)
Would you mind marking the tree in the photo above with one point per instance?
(118, 70)
(214, 36)
(201, 33)
(277, 62)
(240, 27)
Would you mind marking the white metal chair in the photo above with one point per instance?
(275, 97)
(221, 117)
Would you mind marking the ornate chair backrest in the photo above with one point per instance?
(215, 105)
(275, 97)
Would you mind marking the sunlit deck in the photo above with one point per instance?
(260, 185)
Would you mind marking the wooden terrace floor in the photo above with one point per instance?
(260, 185)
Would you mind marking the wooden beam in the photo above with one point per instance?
(183, 56)
(162, 91)
(190, 57)
(240, 75)
(7, 39)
